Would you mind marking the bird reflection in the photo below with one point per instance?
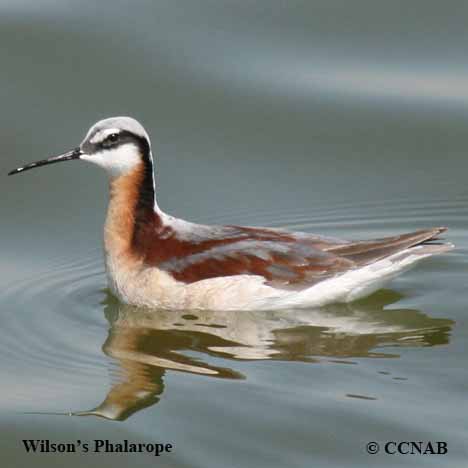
(145, 343)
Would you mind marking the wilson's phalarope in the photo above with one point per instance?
(156, 260)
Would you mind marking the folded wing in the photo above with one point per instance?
(284, 259)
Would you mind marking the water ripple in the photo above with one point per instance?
(54, 316)
(380, 215)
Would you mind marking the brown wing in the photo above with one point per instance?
(191, 252)
(281, 263)
(283, 258)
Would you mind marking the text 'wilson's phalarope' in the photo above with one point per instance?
(156, 260)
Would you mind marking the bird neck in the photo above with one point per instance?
(132, 209)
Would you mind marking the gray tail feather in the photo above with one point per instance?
(365, 252)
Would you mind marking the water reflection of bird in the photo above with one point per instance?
(146, 343)
(156, 260)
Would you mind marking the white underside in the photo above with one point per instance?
(154, 288)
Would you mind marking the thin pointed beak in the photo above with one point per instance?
(73, 154)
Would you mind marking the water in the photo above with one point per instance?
(346, 120)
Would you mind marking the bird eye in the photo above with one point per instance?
(110, 140)
(113, 137)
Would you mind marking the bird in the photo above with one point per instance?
(158, 261)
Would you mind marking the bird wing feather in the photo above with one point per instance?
(285, 259)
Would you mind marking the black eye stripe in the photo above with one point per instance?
(115, 139)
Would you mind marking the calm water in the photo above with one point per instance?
(344, 118)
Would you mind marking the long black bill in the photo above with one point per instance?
(73, 154)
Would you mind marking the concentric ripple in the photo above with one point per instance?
(52, 323)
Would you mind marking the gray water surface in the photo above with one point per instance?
(347, 119)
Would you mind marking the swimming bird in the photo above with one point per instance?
(159, 261)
